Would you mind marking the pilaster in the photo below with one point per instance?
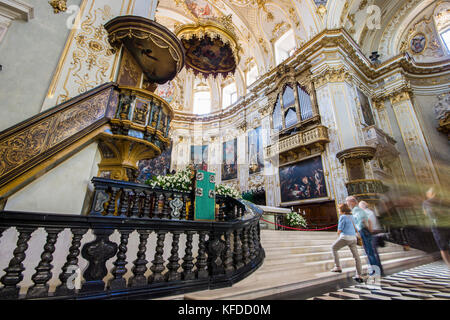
(413, 138)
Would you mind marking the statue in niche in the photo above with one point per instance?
(125, 103)
(140, 113)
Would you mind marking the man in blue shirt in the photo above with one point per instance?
(362, 223)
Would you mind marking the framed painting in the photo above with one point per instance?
(303, 180)
(155, 167)
(199, 157)
(229, 165)
(255, 151)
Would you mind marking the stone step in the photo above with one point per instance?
(327, 262)
(254, 286)
(294, 243)
(323, 255)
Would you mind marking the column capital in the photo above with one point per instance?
(331, 75)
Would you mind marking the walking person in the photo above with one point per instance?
(363, 225)
(438, 213)
(375, 230)
(347, 237)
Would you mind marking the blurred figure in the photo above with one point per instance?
(363, 225)
(438, 213)
(347, 237)
(376, 231)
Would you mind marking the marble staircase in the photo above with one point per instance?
(301, 260)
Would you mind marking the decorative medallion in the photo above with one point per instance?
(176, 205)
(418, 43)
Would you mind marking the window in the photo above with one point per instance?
(285, 46)
(445, 36)
(252, 75)
(202, 102)
(229, 95)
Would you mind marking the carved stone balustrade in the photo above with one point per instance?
(129, 199)
(297, 143)
(217, 253)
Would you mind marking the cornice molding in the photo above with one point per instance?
(13, 10)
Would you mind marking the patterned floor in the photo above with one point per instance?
(430, 282)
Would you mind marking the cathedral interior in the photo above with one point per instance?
(158, 148)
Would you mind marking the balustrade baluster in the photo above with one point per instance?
(173, 265)
(118, 282)
(71, 262)
(256, 239)
(237, 255)
(97, 252)
(140, 264)
(245, 248)
(161, 205)
(111, 208)
(166, 208)
(251, 243)
(185, 199)
(158, 262)
(123, 208)
(228, 254)
(135, 204)
(215, 248)
(147, 203)
(15, 268)
(43, 270)
(201, 262)
(187, 264)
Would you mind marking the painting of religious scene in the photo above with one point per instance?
(166, 91)
(229, 165)
(302, 180)
(200, 8)
(154, 167)
(199, 157)
(365, 108)
(255, 151)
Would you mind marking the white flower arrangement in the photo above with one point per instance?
(225, 190)
(181, 181)
(294, 219)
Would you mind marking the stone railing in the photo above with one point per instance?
(216, 253)
(128, 199)
(303, 139)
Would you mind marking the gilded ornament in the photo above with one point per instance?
(58, 5)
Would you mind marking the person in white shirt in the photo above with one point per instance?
(375, 229)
